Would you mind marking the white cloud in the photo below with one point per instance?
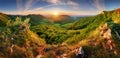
(43, 7)
(40, 8)
(72, 3)
(53, 1)
(29, 3)
(99, 4)
(19, 4)
(69, 2)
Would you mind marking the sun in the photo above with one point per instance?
(56, 13)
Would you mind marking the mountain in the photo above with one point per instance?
(40, 19)
(96, 32)
(78, 30)
(99, 35)
(36, 35)
(61, 19)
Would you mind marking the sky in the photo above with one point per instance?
(48, 7)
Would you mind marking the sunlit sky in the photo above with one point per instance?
(48, 7)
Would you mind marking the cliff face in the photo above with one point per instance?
(109, 44)
(105, 32)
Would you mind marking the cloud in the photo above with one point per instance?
(40, 8)
(53, 1)
(29, 3)
(69, 2)
(58, 3)
(72, 3)
(19, 5)
(44, 7)
(99, 4)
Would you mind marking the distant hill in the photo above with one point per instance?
(36, 19)
(60, 19)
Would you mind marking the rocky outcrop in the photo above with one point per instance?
(105, 32)
(107, 41)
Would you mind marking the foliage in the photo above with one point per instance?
(17, 36)
(50, 33)
(3, 19)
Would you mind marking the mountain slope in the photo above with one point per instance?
(17, 41)
(100, 34)
(3, 19)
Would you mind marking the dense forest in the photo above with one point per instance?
(33, 35)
